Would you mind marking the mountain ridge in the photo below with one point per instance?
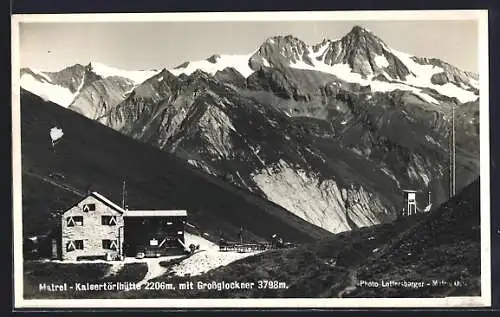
(359, 52)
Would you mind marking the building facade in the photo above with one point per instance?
(415, 202)
(92, 229)
(410, 202)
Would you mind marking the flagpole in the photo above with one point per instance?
(123, 195)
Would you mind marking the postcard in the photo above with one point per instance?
(251, 159)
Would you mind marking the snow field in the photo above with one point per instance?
(47, 91)
(207, 258)
(137, 76)
(205, 261)
(238, 62)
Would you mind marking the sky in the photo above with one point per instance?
(156, 45)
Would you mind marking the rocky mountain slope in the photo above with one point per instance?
(90, 156)
(254, 146)
(332, 132)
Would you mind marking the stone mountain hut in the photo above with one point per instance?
(97, 228)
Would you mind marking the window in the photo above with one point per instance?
(79, 244)
(153, 242)
(74, 221)
(110, 244)
(89, 207)
(78, 220)
(74, 245)
(108, 220)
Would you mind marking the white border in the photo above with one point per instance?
(483, 301)
(256, 16)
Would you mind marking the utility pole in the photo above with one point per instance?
(240, 234)
(453, 156)
(453, 184)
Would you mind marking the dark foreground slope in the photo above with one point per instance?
(441, 246)
(446, 247)
(92, 156)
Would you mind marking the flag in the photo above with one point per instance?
(55, 134)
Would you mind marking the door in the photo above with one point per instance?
(412, 209)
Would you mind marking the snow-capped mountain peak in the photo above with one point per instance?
(63, 87)
(363, 51)
(360, 31)
(363, 58)
(60, 87)
(280, 51)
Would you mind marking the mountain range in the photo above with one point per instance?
(331, 132)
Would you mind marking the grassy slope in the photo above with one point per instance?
(444, 244)
(90, 154)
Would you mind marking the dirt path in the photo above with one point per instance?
(154, 270)
(353, 281)
(114, 269)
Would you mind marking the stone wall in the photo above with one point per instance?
(92, 232)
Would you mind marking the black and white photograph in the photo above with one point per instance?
(260, 159)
